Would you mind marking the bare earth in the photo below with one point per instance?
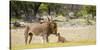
(71, 34)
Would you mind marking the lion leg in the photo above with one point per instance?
(26, 38)
(31, 35)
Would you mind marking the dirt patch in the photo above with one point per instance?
(72, 34)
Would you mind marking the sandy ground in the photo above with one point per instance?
(69, 33)
(75, 35)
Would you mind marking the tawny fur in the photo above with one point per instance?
(61, 39)
(44, 29)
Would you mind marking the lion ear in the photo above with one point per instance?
(48, 18)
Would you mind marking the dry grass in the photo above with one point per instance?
(75, 35)
(79, 43)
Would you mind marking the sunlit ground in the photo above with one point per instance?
(66, 44)
(76, 36)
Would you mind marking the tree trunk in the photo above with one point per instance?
(37, 5)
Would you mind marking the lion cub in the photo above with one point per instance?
(61, 39)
